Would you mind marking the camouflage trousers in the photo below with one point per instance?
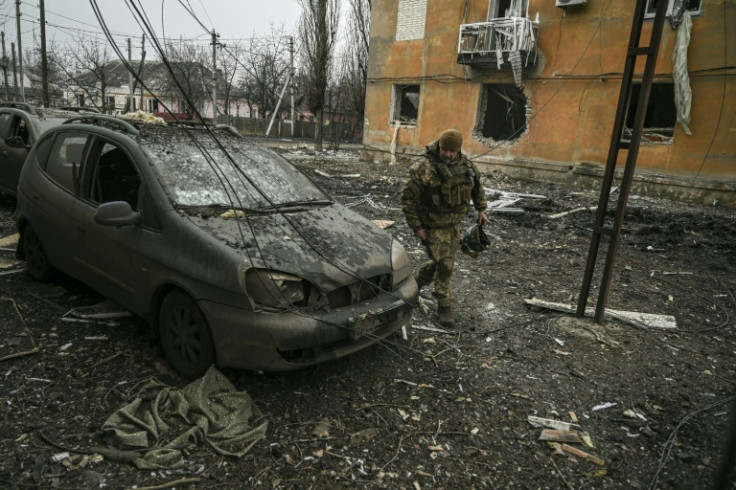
(442, 245)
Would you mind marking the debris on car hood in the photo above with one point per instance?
(318, 244)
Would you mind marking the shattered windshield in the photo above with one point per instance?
(259, 179)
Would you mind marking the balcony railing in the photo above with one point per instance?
(491, 42)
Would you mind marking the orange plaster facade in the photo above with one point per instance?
(572, 90)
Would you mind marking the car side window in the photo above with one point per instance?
(5, 125)
(65, 160)
(41, 152)
(19, 127)
(115, 177)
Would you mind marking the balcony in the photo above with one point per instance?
(490, 43)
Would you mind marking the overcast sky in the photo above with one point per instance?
(232, 19)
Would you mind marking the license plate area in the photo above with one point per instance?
(367, 323)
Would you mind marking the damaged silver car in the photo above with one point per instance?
(231, 254)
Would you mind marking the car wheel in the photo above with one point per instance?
(185, 336)
(37, 262)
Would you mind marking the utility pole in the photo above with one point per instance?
(214, 76)
(291, 82)
(143, 56)
(20, 50)
(15, 73)
(5, 68)
(130, 104)
(44, 62)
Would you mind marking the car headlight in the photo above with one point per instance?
(400, 264)
(275, 289)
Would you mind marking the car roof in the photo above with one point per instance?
(39, 112)
(154, 130)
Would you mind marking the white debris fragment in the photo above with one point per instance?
(604, 406)
(634, 414)
(550, 423)
(59, 457)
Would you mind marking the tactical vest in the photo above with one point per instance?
(451, 192)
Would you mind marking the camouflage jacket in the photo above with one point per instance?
(438, 194)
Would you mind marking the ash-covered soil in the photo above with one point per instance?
(430, 409)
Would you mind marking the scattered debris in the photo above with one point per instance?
(363, 199)
(322, 429)
(101, 311)
(576, 210)
(9, 244)
(22, 333)
(429, 329)
(582, 454)
(604, 406)
(551, 423)
(383, 223)
(633, 414)
(638, 319)
(560, 436)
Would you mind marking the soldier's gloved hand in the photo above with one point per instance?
(483, 219)
(421, 234)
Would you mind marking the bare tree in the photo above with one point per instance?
(358, 40)
(32, 64)
(265, 64)
(189, 70)
(85, 65)
(230, 67)
(346, 94)
(317, 31)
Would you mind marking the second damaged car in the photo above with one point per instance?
(231, 254)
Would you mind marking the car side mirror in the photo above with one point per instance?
(117, 213)
(15, 142)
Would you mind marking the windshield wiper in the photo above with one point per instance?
(298, 204)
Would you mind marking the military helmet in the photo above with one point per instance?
(474, 241)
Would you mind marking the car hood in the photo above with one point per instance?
(329, 245)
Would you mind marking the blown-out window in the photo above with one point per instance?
(661, 115)
(502, 114)
(405, 104)
(692, 6)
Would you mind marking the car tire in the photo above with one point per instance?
(185, 336)
(37, 262)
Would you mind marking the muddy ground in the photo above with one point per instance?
(431, 409)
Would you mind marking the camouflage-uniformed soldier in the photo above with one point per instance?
(435, 200)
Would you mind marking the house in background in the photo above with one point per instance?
(533, 86)
(161, 93)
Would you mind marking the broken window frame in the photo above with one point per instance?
(520, 112)
(401, 113)
(652, 4)
(516, 8)
(651, 134)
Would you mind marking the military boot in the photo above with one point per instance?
(420, 283)
(444, 315)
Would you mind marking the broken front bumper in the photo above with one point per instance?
(259, 340)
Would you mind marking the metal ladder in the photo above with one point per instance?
(614, 231)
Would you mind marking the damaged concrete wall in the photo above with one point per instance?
(572, 90)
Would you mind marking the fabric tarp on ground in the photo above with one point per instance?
(164, 421)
